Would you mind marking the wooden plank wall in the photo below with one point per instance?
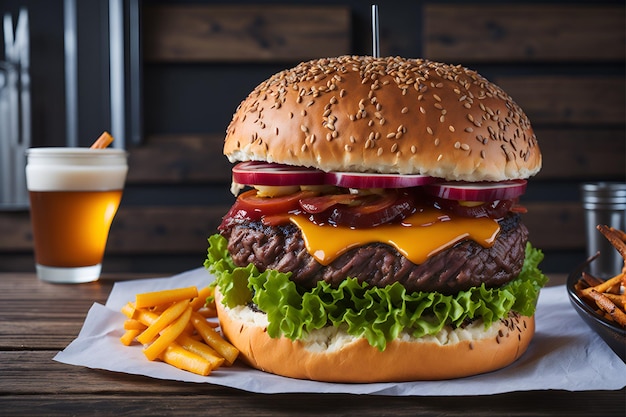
(566, 70)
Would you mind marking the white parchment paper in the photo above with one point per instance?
(564, 354)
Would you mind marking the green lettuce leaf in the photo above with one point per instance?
(378, 314)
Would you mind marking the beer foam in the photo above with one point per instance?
(75, 169)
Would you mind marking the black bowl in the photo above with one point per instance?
(610, 332)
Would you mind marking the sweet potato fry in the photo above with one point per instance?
(604, 286)
(615, 237)
(608, 306)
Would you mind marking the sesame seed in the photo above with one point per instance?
(457, 145)
(391, 135)
(440, 157)
(469, 129)
(379, 152)
(405, 110)
(413, 149)
(436, 97)
(304, 128)
(394, 147)
(398, 135)
(348, 148)
(369, 144)
(437, 141)
(429, 130)
(371, 136)
(465, 147)
(451, 128)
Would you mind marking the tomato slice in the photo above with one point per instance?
(249, 206)
(267, 206)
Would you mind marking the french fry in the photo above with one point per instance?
(604, 286)
(608, 306)
(181, 358)
(609, 296)
(208, 312)
(151, 299)
(129, 309)
(615, 237)
(132, 324)
(103, 141)
(213, 339)
(200, 301)
(164, 319)
(167, 336)
(128, 336)
(201, 349)
(172, 327)
(146, 317)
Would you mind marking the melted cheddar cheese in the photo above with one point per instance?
(417, 237)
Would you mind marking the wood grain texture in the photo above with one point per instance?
(245, 33)
(523, 33)
(33, 383)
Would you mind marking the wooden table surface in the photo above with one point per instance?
(38, 319)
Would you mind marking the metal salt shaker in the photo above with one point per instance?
(604, 203)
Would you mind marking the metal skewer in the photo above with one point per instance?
(375, 38)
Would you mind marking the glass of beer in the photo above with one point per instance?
(74, 195)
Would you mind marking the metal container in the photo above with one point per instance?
(604, 203)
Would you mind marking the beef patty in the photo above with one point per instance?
(466, 264)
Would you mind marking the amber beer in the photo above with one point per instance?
(74, 195)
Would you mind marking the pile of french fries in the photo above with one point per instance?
(608, 296)
(172, 326)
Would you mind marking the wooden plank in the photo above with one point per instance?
(524, 33)
(582, 154)
(179, 158)
(568, 100)
(245, 33)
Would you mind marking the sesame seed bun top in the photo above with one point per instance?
(386, 115)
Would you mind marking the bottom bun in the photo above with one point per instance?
(334, 356)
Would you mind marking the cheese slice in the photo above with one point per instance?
(417, 237)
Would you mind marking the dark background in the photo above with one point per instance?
(178, 181)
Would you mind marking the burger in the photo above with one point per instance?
(377, 233)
